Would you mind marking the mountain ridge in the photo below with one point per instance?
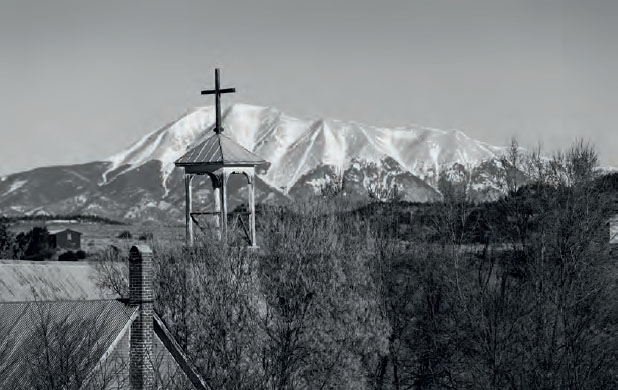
(141, 181)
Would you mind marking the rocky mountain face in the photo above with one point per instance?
(141, 182)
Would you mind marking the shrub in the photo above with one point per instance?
(80, 254)
(125, 234)
(68, 256)
(147, 236)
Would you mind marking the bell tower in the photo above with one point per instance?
(219, 157)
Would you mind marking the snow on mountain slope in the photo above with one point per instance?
(165, 144)
(302, 155)
(293, 147)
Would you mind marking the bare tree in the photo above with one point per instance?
(322, 318)
(339, 298)
(65, 347)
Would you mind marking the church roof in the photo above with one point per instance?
(61, 308)
(219, 150)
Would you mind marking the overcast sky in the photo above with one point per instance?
(81, 80)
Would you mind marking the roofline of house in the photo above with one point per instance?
(179, 356)
(50, 262)
(111, 348)
(114, 298)
(56, 231)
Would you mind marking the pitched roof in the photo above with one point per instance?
(91, 337)
(219, 150)
(60, 308)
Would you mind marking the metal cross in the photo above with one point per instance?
(217, 92)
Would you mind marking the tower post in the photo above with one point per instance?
(216, 192)
(251, 190)
(188, 209)
(224, 178)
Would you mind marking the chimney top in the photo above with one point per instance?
(140, 275)
(140, 250)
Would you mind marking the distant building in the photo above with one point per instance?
(58, 325)
(65, 239)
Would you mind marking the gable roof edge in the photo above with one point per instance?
(176, 351)
(257, 160)
(111, 348)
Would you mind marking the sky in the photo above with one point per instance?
(82, 80)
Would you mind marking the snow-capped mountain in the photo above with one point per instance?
(141, 181)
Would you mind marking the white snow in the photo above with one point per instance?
(163, 205)
(293, 146)
(166, 144)
(37, 211)
(62, 221)
(17, 184)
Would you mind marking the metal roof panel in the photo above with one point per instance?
(219, 149)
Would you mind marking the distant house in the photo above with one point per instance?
(65, 239)
(59, 326)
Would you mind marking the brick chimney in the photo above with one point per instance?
(141, 370)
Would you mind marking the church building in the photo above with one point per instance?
(59, 329)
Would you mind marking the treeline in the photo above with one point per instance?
(484, 220)
(351, 300)
(70, 217)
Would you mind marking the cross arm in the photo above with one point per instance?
(222, 90)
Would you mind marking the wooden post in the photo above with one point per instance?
(224, 177)
(188, 210)
(251, 188)
(216, 192)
